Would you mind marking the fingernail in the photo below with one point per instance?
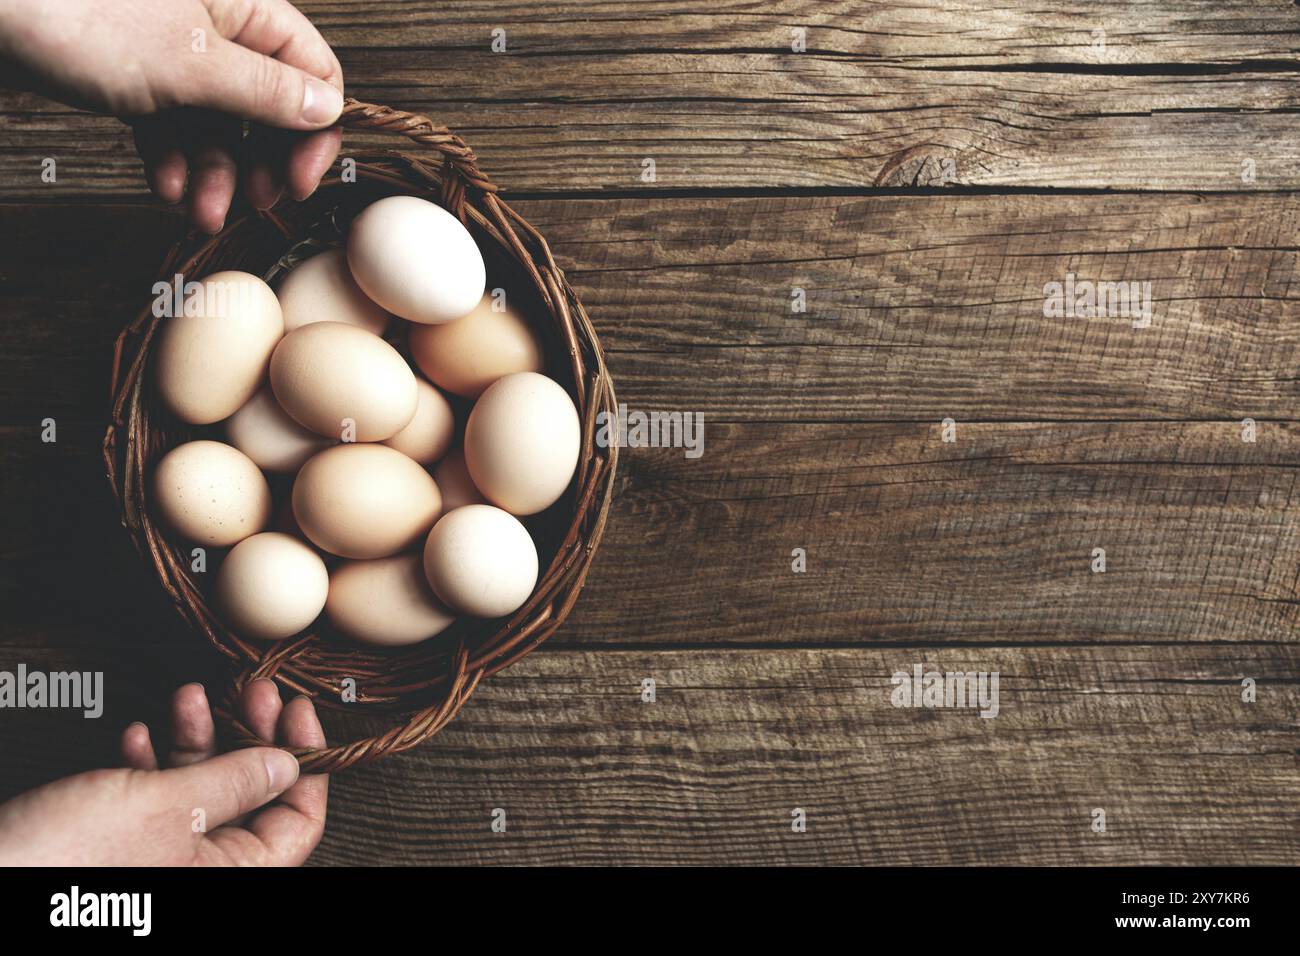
(321, 103)
(269, 203)
(281, 770)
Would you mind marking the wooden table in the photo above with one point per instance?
(921, 172)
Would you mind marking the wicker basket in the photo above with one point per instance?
(423, 687)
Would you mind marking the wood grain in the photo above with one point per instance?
(960, 32)
(908, 540)
(990, 539)
(925, 308)
(1159, 738)
(1180, 96)
(918, 308)
(822, 429)
(920, 173)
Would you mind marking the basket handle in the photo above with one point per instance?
(459, 160)
(415, 731)
(422, 131)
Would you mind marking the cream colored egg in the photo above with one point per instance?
(386, 601)
(210, 493)
(271, 586)
(343, 382)
(416, 260)
(426, 437)
(481, 561)
(469, 354)
(522, 442)
(364, 501)
(211, 359)
(454, 482)
(321, 289)
(264, 432)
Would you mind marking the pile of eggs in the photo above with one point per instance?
(392, 528)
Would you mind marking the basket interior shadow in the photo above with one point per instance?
(424, 686)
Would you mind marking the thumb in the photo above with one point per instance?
(233, 79)
(232, 784)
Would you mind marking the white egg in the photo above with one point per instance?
(481, 561)
(271, 586)
(416, 260)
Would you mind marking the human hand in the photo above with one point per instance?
(143, 816)
(184, 73)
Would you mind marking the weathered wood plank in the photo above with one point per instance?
(924, 308)
(800, 120)
(1180, 98)
(918, 308)
(958, 32)
(991, 539)
(907, 539)
(927, 308)
(1119, 690)
(1159, 738)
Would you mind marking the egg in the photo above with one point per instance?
(210, 360)
(426, 437)
(264, 432)
(364, 501)
(416, 260)
(343, 382)
(522, 442)
(469, 354)
(211, 494)
(284, 521)
(386, 601)
(321, 289)
(271, 586)
(454, 482)
(481, 561)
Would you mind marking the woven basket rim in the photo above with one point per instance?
(428, 684)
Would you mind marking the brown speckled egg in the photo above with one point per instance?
(211, 494)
